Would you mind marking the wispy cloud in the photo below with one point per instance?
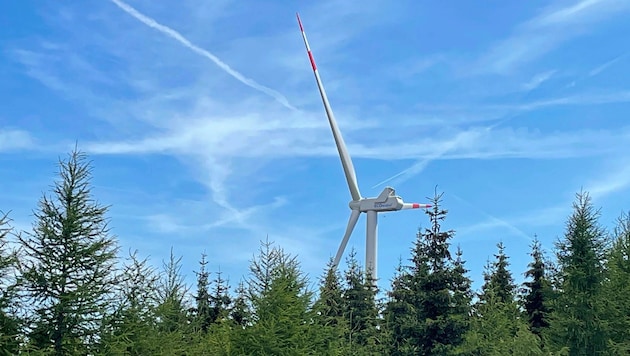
(537, 80)
(615, 179)
(11, 139)
(557, 24)
(599, 69)
(185, 42)
(462, 139)
(491, 221)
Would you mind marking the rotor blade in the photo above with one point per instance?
(415, 206)
(354, 217)
(346, 161)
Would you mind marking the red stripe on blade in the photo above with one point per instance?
(310, 56)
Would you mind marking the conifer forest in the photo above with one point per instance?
(67, 288)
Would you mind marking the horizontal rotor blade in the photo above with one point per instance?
(346, 161)
(415, 206)
(354, 217)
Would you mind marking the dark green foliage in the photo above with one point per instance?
(202, 313)
(328, 310)
(462, 292)
(498, 330)
(498, 279)
(9, 322)
(429, 304)
(498, 327)
(329, 307)
(537, 291)
(220, 300)
(280, 300)
(68, 269)
(131, 330)
(241, 314)
(172, 307)
(576, 322)
(617, 291)
(62, 292)
(360, 309)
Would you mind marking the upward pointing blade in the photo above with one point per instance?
(346, 162)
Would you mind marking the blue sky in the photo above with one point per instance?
(207, 132)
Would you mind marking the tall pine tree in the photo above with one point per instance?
(428, 308)
(9, 322)
(280, 299)
(328, 310)
(68, 272)
(537, 291)
(617, 288)
(131, 330)
(497, 327)
(498, 279)
(360, 308)
(203, 317)
(576, 322)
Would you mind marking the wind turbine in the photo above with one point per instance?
(386, 201)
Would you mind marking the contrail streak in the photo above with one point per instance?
(420, 165)
(181, 39)
(495, 219)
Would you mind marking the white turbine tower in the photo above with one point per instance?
(386, 201)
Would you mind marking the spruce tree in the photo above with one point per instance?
(462, 295)
(220, 300)
(497, 327)
(280, 299)
(9, 322)
(131, 330)
(329, 306)
(537, 291)
(498, 278)
(400, 313)
(328, 311)
(172, 307)
(497, 330)
(202, 310)
(576, 322)
(617, 288)
(428, 308)
(361, 311)
(240, 313)
(69, 264)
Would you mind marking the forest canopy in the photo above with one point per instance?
(66, 289)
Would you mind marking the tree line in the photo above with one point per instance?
(65, 290)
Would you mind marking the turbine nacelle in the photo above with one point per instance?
(386, 201)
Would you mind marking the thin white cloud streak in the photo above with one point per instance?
(545, 32)
(15, 140)
(467, 137)
(420, 165)
(599, 69)
(537, 80)
(183, 223)
(617, 180)
(491, 222)
(463, 138)
(208, 140)
(185, 42)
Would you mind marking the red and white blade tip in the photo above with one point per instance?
(308, 48)
(299, 21)
(418, 206)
